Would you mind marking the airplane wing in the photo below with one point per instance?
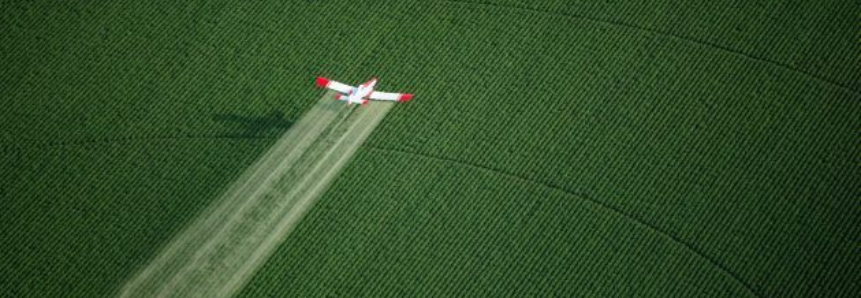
(337, 86)
(376, 95)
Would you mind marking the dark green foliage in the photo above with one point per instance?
(605, 148)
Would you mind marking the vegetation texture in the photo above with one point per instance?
(554, 148)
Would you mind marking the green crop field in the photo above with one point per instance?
(554, 148)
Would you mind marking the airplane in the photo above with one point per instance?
(361, 94)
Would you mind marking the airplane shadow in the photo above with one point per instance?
(271, 124)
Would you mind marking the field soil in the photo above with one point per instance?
(224, 246)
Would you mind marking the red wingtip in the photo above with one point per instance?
(322, 82)
(405, 97)
(364, 102)
(337, 96)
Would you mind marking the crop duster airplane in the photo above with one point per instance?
(361, 94)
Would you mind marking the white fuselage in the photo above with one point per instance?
(360, 94)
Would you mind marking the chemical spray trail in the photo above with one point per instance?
(222, 248)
